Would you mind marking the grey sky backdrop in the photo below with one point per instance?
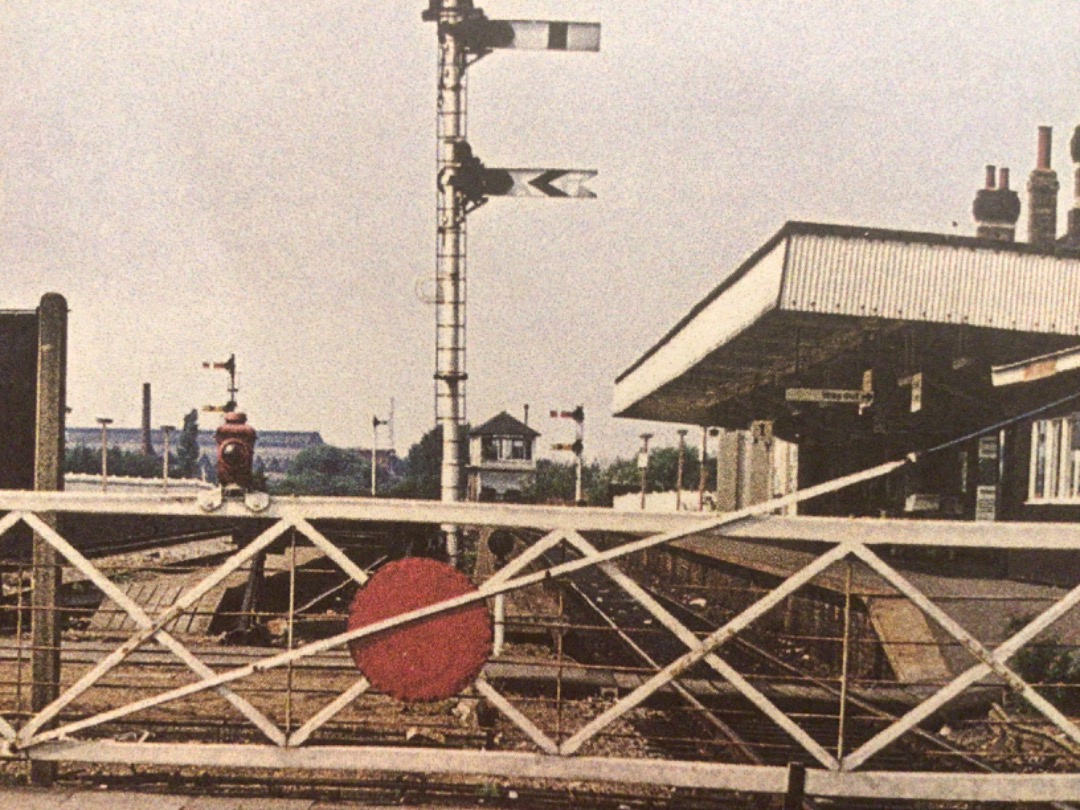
(213, 176)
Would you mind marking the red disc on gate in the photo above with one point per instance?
(432, 658)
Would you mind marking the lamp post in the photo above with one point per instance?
(166, 431)
(643, 464)
(104, 421)
(375, 422)
(679, 470)
(717, 433)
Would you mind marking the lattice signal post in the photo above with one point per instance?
(465, 35)
(577, 447)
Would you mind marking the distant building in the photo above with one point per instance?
(502, 459)
(274, 450)
(88, 482)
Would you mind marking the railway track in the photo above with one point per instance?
(614, 628)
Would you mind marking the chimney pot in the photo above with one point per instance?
(1072, 237)
(996, 209)
(1045, 141)
(990, 172)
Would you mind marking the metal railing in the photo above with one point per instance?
(148, 689)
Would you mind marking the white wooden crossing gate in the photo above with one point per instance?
(297, 701)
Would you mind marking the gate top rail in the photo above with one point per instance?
(869, 531)
(293, 507)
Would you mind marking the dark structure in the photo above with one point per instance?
(18, 398)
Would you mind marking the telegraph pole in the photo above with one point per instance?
(464, 184)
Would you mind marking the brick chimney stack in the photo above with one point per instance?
(1042, 196)
(1072, 236)
(996, 209)
(147, 445)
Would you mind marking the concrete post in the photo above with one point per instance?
(742, 470)
(701, 469)
(166, 432)
(48, 476)
(104, 421)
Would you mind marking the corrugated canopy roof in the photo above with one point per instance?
(813, 290)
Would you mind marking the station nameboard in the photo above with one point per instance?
(842, 396)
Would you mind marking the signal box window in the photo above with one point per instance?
(505, 448)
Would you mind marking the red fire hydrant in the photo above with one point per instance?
(235, 451)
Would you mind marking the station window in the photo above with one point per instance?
(1055, 459)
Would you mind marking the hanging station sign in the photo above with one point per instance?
(830, 396)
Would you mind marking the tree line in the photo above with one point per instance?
(330, 470)
(600, 483)
(183, 463)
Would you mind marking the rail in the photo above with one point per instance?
(135, 689)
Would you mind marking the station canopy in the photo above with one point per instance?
(795, 311)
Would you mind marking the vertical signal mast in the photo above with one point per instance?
(463, 184)
(450, 373)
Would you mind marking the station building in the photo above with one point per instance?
(863, 345)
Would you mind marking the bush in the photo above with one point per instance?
(1052, 668)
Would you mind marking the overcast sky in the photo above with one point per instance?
(202, 177)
